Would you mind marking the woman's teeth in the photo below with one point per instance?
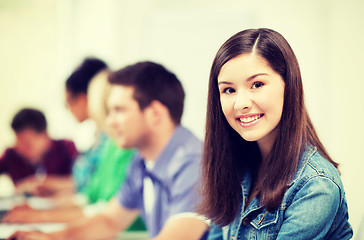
(250, 119)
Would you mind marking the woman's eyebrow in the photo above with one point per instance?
(256, 75)
(249, 79)
(224, 82)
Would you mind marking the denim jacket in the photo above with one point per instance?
(313, 207)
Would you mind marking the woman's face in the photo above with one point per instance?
(252, 96)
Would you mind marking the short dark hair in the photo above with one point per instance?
(29, 118)
(152, 81)
(79, 80)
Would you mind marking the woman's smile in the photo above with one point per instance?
(249, 120)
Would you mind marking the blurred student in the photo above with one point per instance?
(77, 102)
(146, 105)
(99, 171)
(35, 155)
(96, 181)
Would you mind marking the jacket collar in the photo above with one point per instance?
(246, 182)
(307, 154)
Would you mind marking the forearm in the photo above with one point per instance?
(59, 183)
(28, 215)
(98, 227)
(63, 215)
(105, 225)
(67, 179)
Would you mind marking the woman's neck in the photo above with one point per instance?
(266, 143)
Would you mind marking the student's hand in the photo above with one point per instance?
(27, 186)
(30, 236)
(44, 190)
(23, 214)
(54, 185)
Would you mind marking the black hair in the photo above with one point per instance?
(79, 80)
(29, 118)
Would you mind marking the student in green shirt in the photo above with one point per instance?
(108, 177)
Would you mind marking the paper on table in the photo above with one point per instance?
(7, 186)
(7, 229)
(40, 203)
(7, 203)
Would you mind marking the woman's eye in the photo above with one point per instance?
(228, 90)
(257, 85)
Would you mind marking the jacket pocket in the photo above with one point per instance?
(265, 219)
(264, 225)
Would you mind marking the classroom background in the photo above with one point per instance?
(42, 41)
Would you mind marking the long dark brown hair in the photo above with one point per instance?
(227, 155)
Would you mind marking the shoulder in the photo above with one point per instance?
(187, 151)
(137, 165)
(187, 143)
(7, 154)
(64, 144)
(316, 174)
(318, 166)
(112, 151)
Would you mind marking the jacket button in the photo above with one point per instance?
(246, 221)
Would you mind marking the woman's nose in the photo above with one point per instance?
(243, 101)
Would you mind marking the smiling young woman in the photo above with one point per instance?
(251, 96)
(265, 172)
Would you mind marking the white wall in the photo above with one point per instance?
(34, 63)
(43, 40)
